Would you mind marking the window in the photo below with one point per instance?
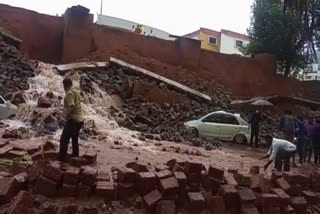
(228, 119)
(212, 40)
(213, 118)
(308, 77)
(239, 43)
(221, 118)
(2, 101)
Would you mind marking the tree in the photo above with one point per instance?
(287, 29)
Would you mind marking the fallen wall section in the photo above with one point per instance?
(157, 77)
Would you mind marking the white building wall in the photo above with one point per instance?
(228, 44)
(312, 74)
(127, 25)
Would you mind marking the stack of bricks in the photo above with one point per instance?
(175, 185)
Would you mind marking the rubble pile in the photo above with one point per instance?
(163, 189)
(309, 113)
(14, 72)
(164, 120)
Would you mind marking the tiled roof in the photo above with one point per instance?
(235, 35)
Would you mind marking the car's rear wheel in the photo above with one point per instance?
(239, 139)
(12, 116)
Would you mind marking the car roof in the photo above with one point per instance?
(224, 112)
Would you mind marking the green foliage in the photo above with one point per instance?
(285, 30)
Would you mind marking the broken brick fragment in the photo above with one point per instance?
(53, 172)
(171, 163)
(68, 190)
(193, 167)
(299, 204)
(21, 203)
(163, 174)
(37, 156)
(216, 173)
(78, 162)
(169, 186)
(71, 176)
(311, 197)
(196, 201)
(126, 174)
(106, 190)
(138, 166)
(215, 204)
(243, 180)
(88, 175)
(50, 155)
(103, 176)
(33, 149)
(247, 196)
(269, 200)
(152, 198)
(91, 157)
(284, 197)
(45, 186)
(125, 190)
(9, 187)
(181, 178)
(230, 196)
(166, 207)
(162, 167)
(147, 181)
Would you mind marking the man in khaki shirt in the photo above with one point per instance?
(74, 118)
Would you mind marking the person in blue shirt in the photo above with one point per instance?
(301, 134)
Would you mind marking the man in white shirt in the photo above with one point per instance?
(280, 151)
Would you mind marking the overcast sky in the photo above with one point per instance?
(174, 16)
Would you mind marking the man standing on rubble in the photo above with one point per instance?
(74, 121)
(280, 151)
(255, 126)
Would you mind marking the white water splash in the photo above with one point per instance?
(95, 106)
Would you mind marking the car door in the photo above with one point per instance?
(229, 127)
(3, 109)
(210, 125)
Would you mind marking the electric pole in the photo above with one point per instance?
(101, 7)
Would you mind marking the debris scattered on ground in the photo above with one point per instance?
(164, 188)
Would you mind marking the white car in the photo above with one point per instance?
(223, 126)
(7, 109)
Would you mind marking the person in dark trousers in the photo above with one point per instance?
(74, 121)
(288, 127)
(301, 137)
(254, 121)
(308, 141)
(315, 137)
(280, 151)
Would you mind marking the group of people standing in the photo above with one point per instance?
(299, 136)
(305, 134)
(140, 29)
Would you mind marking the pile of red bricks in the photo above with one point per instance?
(165, 188)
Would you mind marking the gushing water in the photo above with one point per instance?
(95, 106)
